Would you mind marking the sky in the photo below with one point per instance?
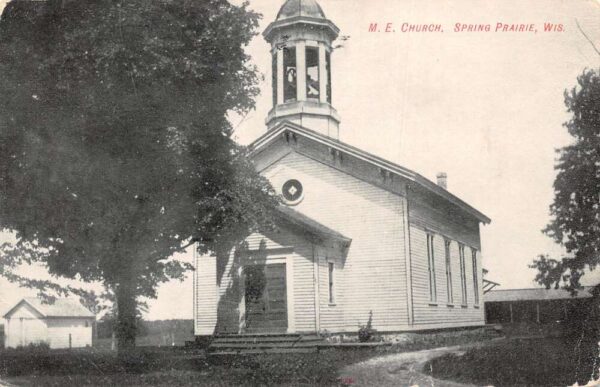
(487, 108)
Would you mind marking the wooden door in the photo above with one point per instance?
(266, 298)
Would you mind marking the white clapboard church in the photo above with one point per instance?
(359, 237)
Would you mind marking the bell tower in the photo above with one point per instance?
(301, 39)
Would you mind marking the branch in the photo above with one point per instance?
(586, 37)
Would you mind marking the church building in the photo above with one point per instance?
(358, 238)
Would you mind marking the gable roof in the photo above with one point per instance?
(535, 294)
(62, 307)
(271, 135)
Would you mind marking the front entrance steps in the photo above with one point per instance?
(245, 344)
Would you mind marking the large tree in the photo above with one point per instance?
(575, 212)
(115, 147)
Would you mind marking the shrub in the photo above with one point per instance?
(365, 332)
(39, 347)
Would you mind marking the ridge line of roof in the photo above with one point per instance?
(393, 167)
(24, 300)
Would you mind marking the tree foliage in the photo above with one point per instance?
(115, 148)
(575, 212)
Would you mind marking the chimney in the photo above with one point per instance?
(442, 180)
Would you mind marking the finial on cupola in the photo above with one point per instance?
(301, 45)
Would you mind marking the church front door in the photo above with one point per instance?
(266, 298)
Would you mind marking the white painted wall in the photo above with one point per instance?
(79, 330)
(26, 326)
(372, 275)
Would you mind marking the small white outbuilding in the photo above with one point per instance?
(62, 324)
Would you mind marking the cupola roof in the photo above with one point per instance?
(306, 8)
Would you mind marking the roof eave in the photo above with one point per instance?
(266, 138)
(324, 23)
(11, 310)
(322, 231)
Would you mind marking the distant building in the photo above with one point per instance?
(64, 324)
(359, 239)
(541, 306)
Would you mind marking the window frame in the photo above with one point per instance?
(328, 74)
(274, 77)
(431, 268)
(463, 274)
(475, 276)
(331, 282)
(314, 52)
(289, 60)
(449, 283)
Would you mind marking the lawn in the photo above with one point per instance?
(178, 366)
(521, 362)
(173, 367)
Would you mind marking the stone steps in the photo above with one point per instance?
(263, 343)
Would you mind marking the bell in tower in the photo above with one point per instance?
(301, 45)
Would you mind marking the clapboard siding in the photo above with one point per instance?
(363, 203)
(424, 213)
(69, 332)
(220, 307)
(205, 294)
(302, 271)
(374, 277)
(428, 312)
(27, 326)
(330, 314)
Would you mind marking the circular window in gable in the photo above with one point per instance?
(292, 192)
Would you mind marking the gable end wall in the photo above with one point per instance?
(372, 277)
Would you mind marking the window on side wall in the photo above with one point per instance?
(431, 267)
(463, 274)
(448, 272)
(475, 276)
(331, 279)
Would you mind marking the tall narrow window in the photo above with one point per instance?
(475, 278)
(463, 274)
(290, 73)
(431, 265)
(328, 68)
(448, 272)
(331, 283)
(274, 77)
(313, 88)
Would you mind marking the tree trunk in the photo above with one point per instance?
(126, 314)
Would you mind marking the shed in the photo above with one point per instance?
(536, 305)
(65, 323)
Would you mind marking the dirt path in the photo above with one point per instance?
(401, 369)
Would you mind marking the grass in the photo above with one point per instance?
(178, 366)
(521, 362)
(173, 367)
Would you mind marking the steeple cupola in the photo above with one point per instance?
(301, 39)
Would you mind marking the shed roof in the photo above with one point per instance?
(535, 294)
(308, 224)
(61, 307)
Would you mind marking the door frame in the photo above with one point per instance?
(288, 260)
